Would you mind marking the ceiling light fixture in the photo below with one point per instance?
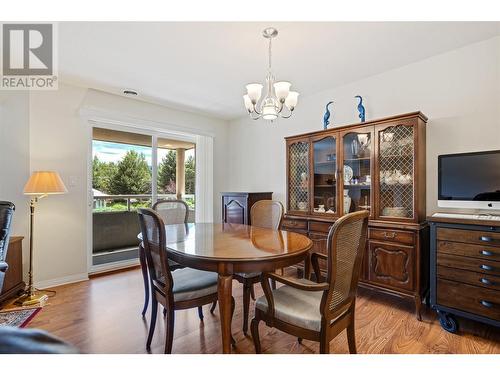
(278, 94)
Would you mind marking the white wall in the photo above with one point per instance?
(14, 158)
(59, 141)
(459, 91)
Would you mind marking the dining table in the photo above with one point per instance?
(226, 249)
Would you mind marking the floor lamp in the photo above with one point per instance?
(39, 185)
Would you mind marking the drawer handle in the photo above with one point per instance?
(487, 253)
(486, 281)
(392, 235)
(486, 267)
(487, 239)
(487, 304)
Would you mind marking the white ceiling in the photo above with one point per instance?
(203, 67)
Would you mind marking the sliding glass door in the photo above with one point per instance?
(129, 171)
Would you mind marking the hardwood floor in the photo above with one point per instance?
(103, 316)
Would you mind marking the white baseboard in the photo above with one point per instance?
(94, 270)
(62, 281)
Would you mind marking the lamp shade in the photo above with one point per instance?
(44, 182)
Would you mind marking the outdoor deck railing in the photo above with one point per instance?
(129, 202)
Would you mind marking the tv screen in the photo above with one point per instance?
(469, 177)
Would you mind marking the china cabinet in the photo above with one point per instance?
(377, 166)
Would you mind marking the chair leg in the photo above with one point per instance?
(145, 276)
(200, 313)
(351, 338)
(246, 305)
(233, 307)
(169, 330)
(273, 284)
(214, 305)
(152, 324)
(324, 346)
(252, 292)
(254, 326)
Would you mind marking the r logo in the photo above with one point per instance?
(27, 49)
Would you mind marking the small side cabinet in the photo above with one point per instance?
(236, 205)
(13, 283)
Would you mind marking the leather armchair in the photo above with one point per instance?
(6, 213)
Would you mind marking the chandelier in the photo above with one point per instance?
(278, 99)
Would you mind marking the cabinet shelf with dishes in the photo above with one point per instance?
(377, 166)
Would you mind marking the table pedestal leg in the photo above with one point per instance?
(224, 290)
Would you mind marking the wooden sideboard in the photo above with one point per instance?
(465, 270)
(13, 282)
(236, 205)
(379, 166)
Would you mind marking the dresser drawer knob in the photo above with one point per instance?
(390, 235)
(487, 239)
(486, 281)
(486, 303)
(487, 253)
(486, 267)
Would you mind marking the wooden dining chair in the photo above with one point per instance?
(318, 311)
(263, 214)
(183, 288)
(172, 211)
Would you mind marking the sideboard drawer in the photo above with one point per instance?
(469, 277)
(470, 264)
(480, 301)
(469, 236)
(316, 226)
(469, 250)
(294, 224)
(403, 237)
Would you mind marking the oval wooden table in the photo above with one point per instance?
(232, 248)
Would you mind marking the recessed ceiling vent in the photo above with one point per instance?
(130, 92)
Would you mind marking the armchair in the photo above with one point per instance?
(318, 311)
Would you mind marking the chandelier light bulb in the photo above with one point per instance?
(248, 103)
(282, 89)
(254, 91)
(291, 100)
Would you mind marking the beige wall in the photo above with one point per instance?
(459, 91)
(59, 141)
(14, 158)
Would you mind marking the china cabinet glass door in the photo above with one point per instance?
(396, 165)
(298, 169)
(357, 171)
(325, 175)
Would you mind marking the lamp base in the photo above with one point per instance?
(33, 299)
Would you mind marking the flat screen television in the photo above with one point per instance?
(470, 180)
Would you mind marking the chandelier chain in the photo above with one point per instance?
(270, 49)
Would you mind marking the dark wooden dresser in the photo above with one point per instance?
(13, 282)
(236, 205)
(465, 270)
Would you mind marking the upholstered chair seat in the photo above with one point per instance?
(294, 306)
(191, 284)
(248, 275)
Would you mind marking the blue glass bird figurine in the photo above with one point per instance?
(361, 109)
(326, 117)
